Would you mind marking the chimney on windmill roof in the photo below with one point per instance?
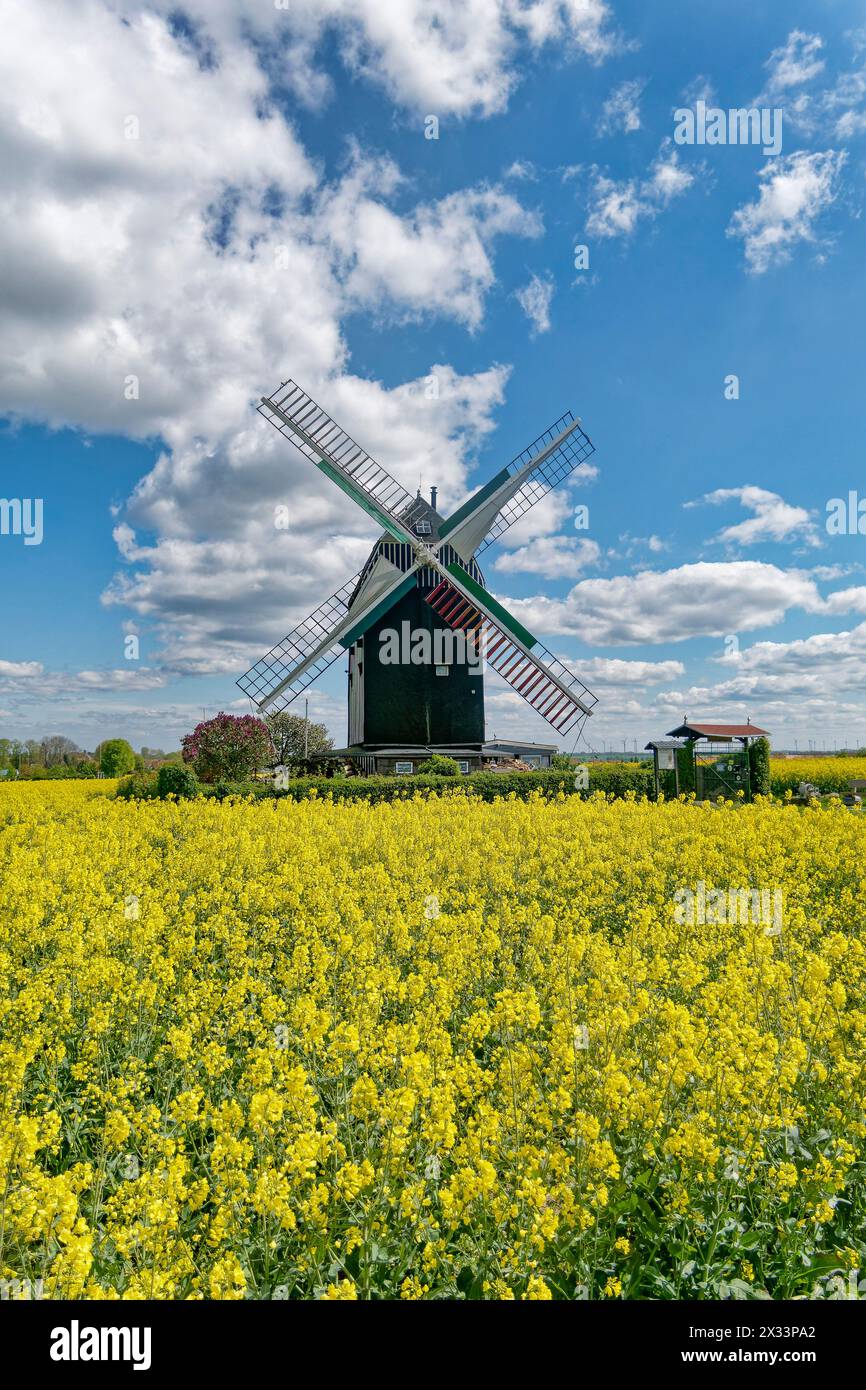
(433, 492)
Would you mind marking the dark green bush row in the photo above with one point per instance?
(60, 773)
(616, 780)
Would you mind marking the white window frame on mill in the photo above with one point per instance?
(463, 764)
(404, 769)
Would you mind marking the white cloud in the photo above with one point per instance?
(15, 670)
(435, 260)
(208, 258)
(31, 679)
(772, 519)
(838, 111)
(451, 58)
(826, 663)
(845, 104)
(795, 62)
(699, 89)
(547, 516)
(618, 206)
(621, 110)
(553, 557)
(697, 600)
(653, 543)
(521, 169)
(794, 192)
(603, 671)
(534, 299)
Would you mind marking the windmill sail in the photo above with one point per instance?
(523, 482)
(297, 416)
(512, 651)
(293, 664)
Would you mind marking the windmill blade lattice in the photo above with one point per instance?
(271, 682)
(524, 481)
(568, 455)
(297, 416)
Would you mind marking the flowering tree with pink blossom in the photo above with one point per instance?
(230, 746)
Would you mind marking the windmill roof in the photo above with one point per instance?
(420, 510)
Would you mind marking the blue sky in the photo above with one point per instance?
(200, 202)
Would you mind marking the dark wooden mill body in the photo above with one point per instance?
(428, 703)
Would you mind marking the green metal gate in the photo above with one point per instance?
(722, 774)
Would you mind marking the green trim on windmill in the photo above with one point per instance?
(486, 600)
(374, 614)
(474, 501)
(362, 499)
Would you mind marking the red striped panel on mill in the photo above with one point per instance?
(525, 673)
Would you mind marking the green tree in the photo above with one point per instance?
(33, 753)
(115, 757)
(759, 767)
(288, 732)
(686, 767)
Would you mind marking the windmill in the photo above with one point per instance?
(422, 589)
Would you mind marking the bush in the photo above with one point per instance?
(686, 768)
(173, 779)
(61, 772)
(440, 766)
(759, 767)
(138, 786)
(227, 747)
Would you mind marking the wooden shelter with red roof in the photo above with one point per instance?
(703, 756)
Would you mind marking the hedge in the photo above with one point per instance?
(615, 779)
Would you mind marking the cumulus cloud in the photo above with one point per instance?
(553, 557)
(534, 299)
(837, 110)
(794, 192)
(621, 110)
(697, 600)
(794, 63)
(654, 544)
(604, 671)
(169, 252)
(435, 260)
(808, 668)
(20, 670)
(453, 58)
(31, 679)
(616, 206)
(772, 519)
